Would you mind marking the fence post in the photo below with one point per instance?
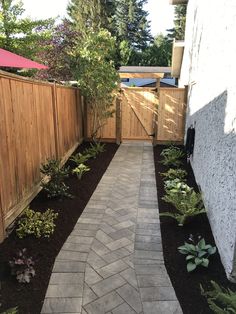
(55, 118)
(85, 119)
(2, 224)
(155, 128)
(118, 120)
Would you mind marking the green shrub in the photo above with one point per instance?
(13, 310)
(187, 202)
(36, 223)
(176, 185)
(80, 158)
(95, 149)
(22, 266)
(220, 300)
(197, 255)
(56, 186)
(171, 156)
(80, 170)
(172, 174)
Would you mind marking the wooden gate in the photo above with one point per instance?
(139, 108)
(142, 112)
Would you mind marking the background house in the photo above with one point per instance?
(208, 68)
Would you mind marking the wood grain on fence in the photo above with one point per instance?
(37, 121)
(171, 115)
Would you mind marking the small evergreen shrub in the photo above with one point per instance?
(220, 300)
(55, 187)
(22, 266)
(36, 223)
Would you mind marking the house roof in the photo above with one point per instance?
(143, 72)
(139, 82)
(144, 69)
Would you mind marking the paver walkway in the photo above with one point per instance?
(112, 262)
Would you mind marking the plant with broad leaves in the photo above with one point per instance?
(187, 202)
(22, 266)
(172, 174)
(55, 187)
(80, 158)
(176, 186)
(172, 156)
(197, 254)
(80, 170)
(220, 300)
(36, 223)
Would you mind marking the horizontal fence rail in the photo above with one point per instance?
(38, 120)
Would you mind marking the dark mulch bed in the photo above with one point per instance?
(186, 284)
(29, 297)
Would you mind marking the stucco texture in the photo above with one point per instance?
(209, 69)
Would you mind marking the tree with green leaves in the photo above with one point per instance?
(178, 31)
(21, 35)
(132, 23)
(97, 76)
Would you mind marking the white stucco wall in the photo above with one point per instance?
(209, 68)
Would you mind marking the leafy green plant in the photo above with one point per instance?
(172, 156)
(172, 174)
(80, 158)
(13, 310)
(187, 202)
(197, 255)
(220, 300)
(176, 185)
(80, 170)
(22, 266)
(55, 187)
(36, 223)
(95, 149)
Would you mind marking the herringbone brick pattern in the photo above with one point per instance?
(112, 262)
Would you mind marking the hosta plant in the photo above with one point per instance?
(80, 158)
(176, 186)
(187, 202)
(172, 156)
(80, 170)
(172, 174)
(197, 254)
(55, 187)
(36, 223)
(22, 266)
(220, 300)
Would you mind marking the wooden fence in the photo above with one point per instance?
(143, 112)
(38, 120)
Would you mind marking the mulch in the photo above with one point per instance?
(29, 297)
(187, 285)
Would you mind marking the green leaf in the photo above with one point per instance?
(212, 250)
(189, 257)
(198, 261)
(205, 262)
(202, 244)
(191, 267)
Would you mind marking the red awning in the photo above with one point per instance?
(11, 60)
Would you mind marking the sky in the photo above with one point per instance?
(161, 13)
